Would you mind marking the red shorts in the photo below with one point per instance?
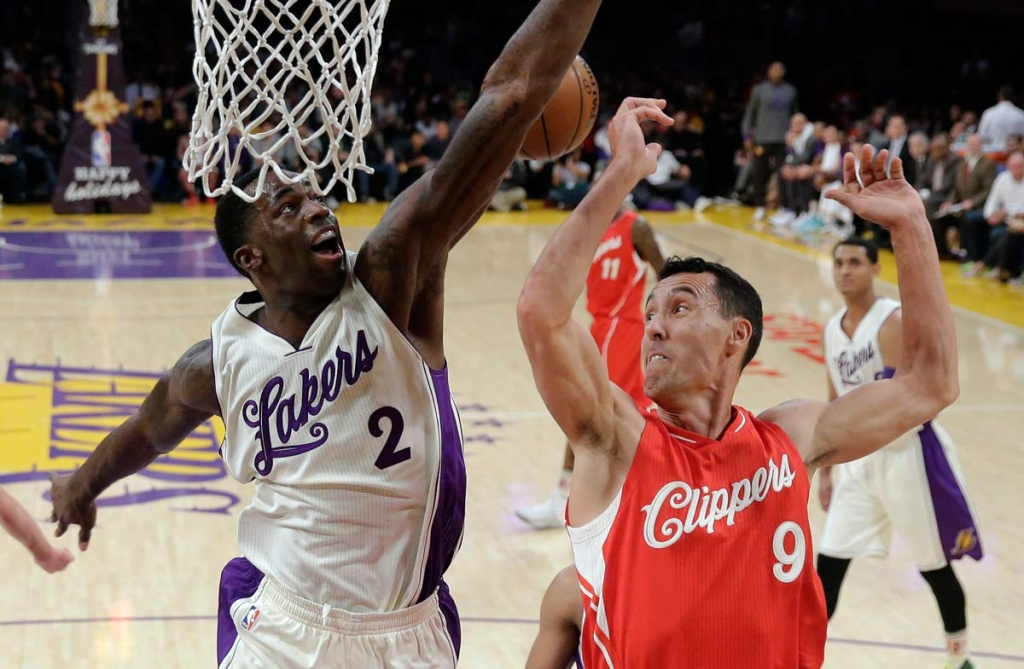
(619, 341)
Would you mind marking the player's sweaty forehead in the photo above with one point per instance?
(272, 185)
(700, 287)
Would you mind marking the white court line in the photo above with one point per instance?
(811, 258)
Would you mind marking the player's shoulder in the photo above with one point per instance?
(795, 420)
(193, 379)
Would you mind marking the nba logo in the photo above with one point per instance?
(249, 621)
(100, 148)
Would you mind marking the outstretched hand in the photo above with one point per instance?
(629, 146)
(70, 509)
(886, 199)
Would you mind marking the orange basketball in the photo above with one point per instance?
(568, 118)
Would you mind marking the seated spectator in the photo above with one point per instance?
(1005, 209)
(148, 133)
(570, 180)
(797, 173)
(12, 164)
(412, 158)
(936, 184)
(511, 193)
(967, 201)
(1005, 201)
(381, 159)
(919, 145)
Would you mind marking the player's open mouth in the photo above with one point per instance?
(656, 357)
(327, 243)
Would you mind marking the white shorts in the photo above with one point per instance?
(275, 628)
(913, 486)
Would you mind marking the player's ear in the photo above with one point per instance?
(876, 269)
(249, 257)
(739, 336)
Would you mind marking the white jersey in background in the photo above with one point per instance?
(912, 485)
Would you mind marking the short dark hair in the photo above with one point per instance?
(869, 247)
(233, 217)
(736, 295)
(1005, 93)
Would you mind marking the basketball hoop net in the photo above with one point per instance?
(103, 13)
(286, 81)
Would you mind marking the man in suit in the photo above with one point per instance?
(936, 184)
(973, 184)
(918, 143)
(896, 131)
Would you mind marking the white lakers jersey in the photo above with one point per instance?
(355, 448)
(855, 360)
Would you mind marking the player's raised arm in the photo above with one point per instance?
(182, 400)
(421, 226)
(926, 380)
(567, 367)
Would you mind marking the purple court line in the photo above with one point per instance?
(513, 621)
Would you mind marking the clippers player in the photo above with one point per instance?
(615, 293)
(561, 616)
(332, 382)
(688, 521)
(20, 525)
(913, 485)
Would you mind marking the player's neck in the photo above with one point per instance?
(707, 415)
(859, 305)
(290, 318)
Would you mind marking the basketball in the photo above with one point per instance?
(567, 119)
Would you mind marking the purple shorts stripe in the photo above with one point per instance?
(449, 518)
(957, 529)
(238, 580)
(451, 616)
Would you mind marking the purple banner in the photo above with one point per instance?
(102, 170)
(154, 254)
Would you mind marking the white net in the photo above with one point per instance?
(284, 84)
(103, 13)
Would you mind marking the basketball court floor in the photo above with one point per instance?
(92, 309)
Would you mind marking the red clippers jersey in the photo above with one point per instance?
(704, 559)
(615, 285)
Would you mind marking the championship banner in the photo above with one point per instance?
(102, 170)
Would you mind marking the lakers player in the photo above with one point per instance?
(688, 521)
(914, 484)
(615, 293)
(332, 383)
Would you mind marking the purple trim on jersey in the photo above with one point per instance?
(449, 517)
(451, 616)
(957, 529)
(238, 580)
(887, 373)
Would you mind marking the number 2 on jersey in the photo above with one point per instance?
(610, 268)
(793, 559)
(390, 456)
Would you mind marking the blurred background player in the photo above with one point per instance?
(912, 485)
(615, 293)
(20, 525)
(561, 614)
